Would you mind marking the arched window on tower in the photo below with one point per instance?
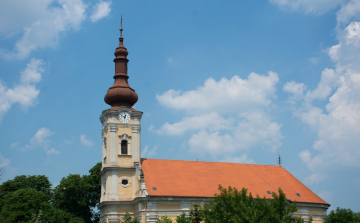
(124, 147)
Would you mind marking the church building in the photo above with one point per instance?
(151, 188)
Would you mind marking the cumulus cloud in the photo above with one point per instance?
(337, 124)
(85, 141)
(296, 89)
(348, 12)
(226, 116)
(326, 195)
(40, 23)
(224, 96)
(101, 10)
(309, 6)
(146, 152)
(253, 129)
(25, 92)
(4, 161)
(314, 178)
(211, 120)
(13, 145)
(41, 140)
(238, 159)
(52, 151)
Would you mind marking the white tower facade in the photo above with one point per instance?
(121, 178)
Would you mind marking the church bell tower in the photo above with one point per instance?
(121, 170)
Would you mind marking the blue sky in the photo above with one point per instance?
(227, 81)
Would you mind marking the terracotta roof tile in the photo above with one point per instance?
(201, 179)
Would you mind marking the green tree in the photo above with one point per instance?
(24, 196)
(95, 181)
(31, 199)
(71, 195)
(233, 206)
(128, 219)
(19, 206)
(182, 219)
(342, 215)
(37, 182)
(94, 192)
(79, 195)
(196, 214)
(164, 219)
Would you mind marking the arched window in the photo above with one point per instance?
(124, 147)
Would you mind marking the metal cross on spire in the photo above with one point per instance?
(279, 159)
(121, 29)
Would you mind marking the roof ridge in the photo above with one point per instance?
(262, 177)
(210, 162)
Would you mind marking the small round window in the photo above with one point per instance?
(124, 182)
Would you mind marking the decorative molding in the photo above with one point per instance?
(127, 138)
(121, 109)
(124, 137)
(113, 128)
(136, 129)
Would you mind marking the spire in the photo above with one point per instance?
(121, 94)
(121, 29)
(279, 159)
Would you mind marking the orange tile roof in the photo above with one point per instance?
(201, 179)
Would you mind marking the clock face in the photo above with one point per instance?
(124, 117)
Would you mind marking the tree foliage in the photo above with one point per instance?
(343, 215)
(233, 206)
(128, 219)
(164, 219)
(71, 195)
(31, 199)
(182, 219)
(79, 195)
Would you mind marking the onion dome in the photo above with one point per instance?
(121, 94)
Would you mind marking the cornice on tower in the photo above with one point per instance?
(121, 94)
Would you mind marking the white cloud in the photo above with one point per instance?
(348, 12)
(68, 141)
(17, 14)
(314, 60)
(39, 24)
(252, 130)
(326, 195)
(237, 159)
(44, 30)
(25, 92)
(13, 145)
(170, 60)
(242, 101)
(3, 161)
(337, 124)
(211, 120)
(101, 10)
(296, 89)
(40, 139)
(224, 96)
(213, 143)
(309, 6)
(85, 141)
(52, 151)
(146, 152)
(314, 178)
(325, 86)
